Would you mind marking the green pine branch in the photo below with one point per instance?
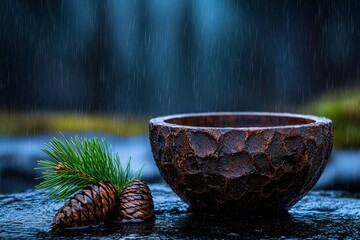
(78, 162)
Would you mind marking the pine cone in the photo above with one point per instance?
(94, 205)
(135, 202)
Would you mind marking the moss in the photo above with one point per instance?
(34, 122)
(343, 108)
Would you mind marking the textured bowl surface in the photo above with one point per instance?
(241, 162)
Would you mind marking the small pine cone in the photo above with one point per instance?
(135, 202)
(93, 205)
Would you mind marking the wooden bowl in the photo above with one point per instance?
(241, 162)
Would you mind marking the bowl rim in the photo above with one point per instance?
(317, 120)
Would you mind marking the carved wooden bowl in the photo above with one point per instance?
(241, 162)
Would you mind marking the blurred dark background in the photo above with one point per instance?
(104, 67)
(168, 56)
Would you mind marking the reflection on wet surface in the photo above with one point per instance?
(321, 214)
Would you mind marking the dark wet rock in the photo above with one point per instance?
(320, 214)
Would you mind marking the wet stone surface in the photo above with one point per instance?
(321, 214)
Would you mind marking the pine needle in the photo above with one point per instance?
(78, 162)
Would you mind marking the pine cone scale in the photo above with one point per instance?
(84, 211)
(135, 204)
(141, 196)
(133, 209)
(87, 202)
(96, 203)
(75, 203)
(108, 201)
(84, 217)
(82, 208)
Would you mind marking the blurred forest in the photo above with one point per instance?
(167, 56)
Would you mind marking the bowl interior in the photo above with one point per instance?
(238, 121)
